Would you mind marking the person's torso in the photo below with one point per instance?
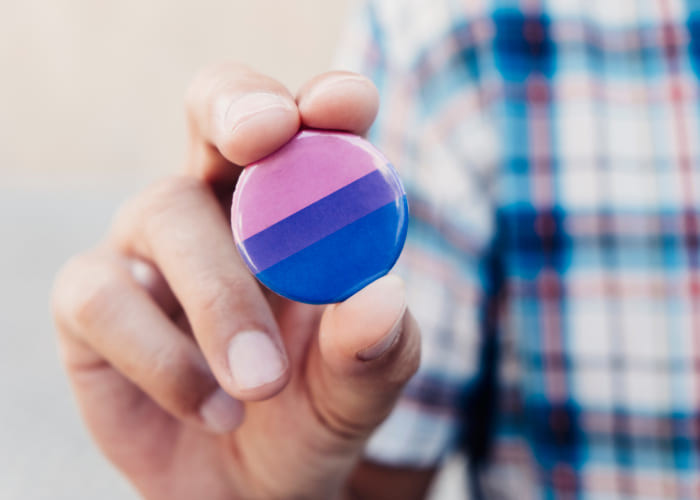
(582, 119)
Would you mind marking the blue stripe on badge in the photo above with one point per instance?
(345, 261)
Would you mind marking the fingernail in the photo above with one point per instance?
(384, 344)
(328, 83)
(254, 359)
(221, 413)
(246, 107)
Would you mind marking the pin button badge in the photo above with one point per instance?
(320, 218)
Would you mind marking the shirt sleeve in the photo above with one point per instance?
(432, 126)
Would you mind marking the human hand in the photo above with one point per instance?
(194, 381)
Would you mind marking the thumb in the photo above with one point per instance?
(368, 347)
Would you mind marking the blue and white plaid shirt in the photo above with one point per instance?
(551, 151)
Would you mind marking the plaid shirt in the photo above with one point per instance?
(551, 152)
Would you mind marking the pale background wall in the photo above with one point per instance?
(96, 87)
(90, 111)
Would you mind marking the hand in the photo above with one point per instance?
(171, 344)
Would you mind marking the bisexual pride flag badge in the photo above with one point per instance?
(321, 218)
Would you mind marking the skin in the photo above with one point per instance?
(145, 320)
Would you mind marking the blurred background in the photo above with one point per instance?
(90, 112)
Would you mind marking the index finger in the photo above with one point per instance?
(236, 116)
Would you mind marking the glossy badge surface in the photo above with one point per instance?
(320, 218)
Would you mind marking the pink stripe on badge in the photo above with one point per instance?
(281, 191)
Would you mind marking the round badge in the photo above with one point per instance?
(320, 218)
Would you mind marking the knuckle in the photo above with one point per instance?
(62, 289)
(174, 193)
(210, 78)
(185, 384)
(218, 299)
(176, 187)
(86, 290)
(94, 301)
(342, 429)
(156, 206)
(221, 294)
